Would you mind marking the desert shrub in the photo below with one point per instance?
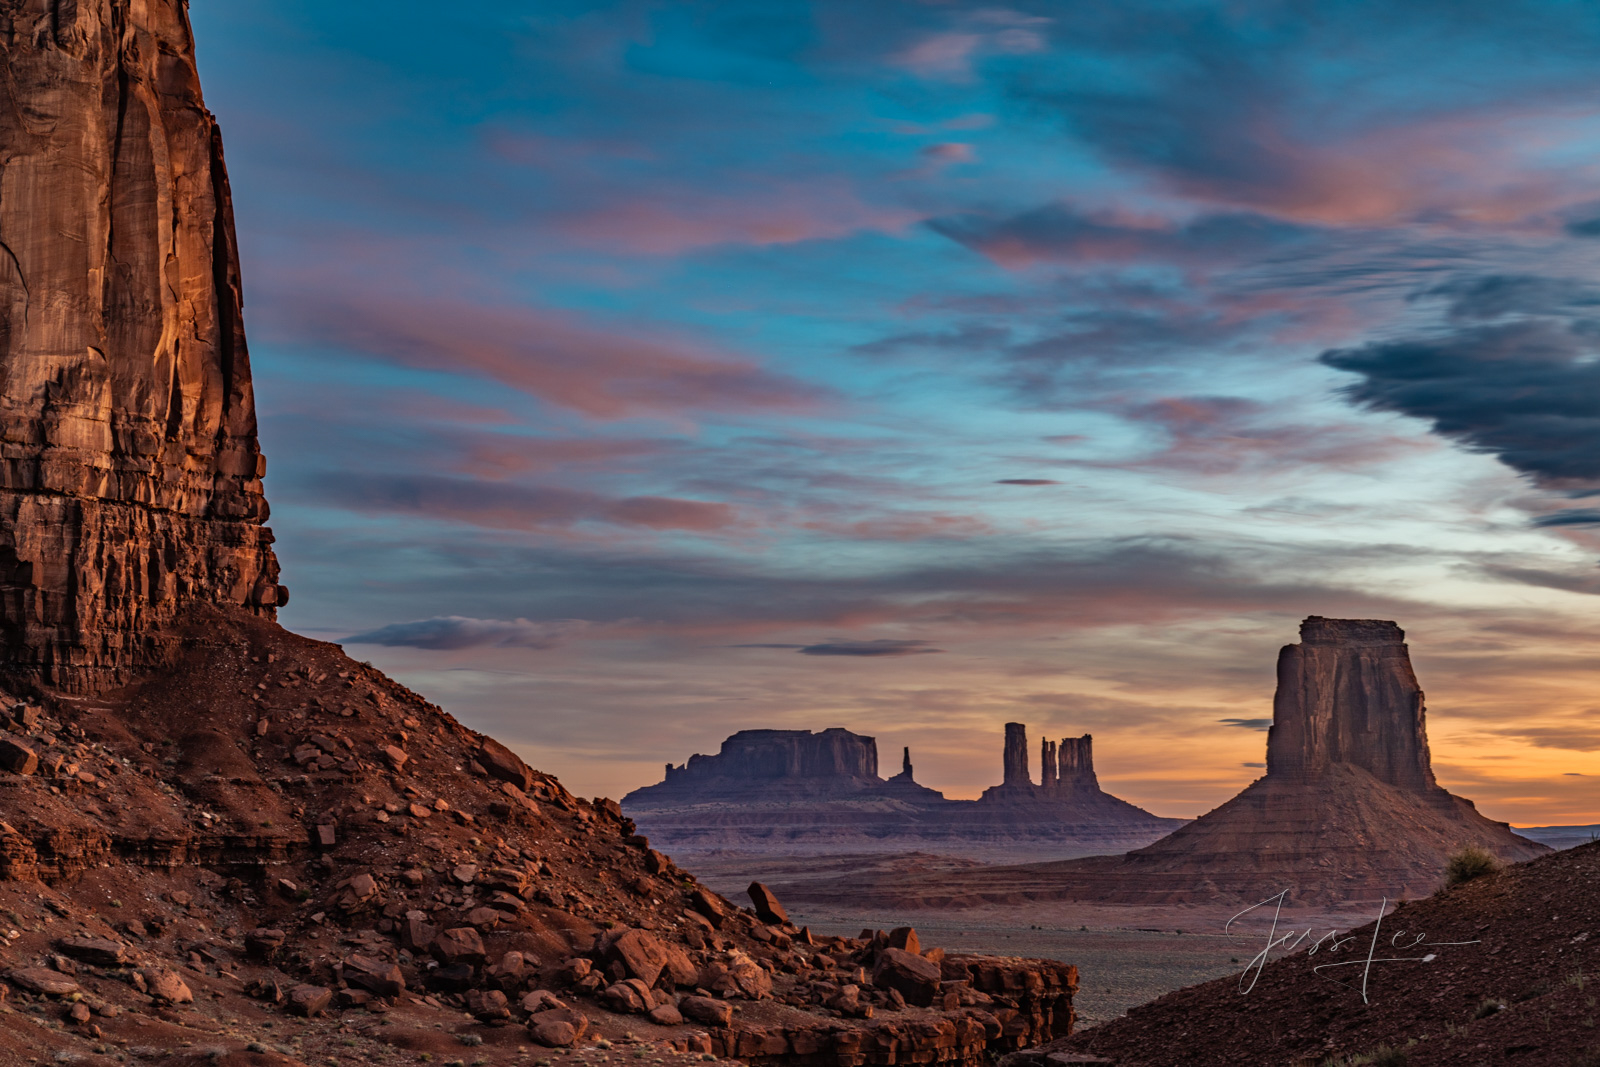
(1469, 863)
(1487, 1007)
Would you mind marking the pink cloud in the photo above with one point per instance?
(515, 507)
(604, 374)
(1226, 435)
(1482, 168)
(903, 527)
(672, 221)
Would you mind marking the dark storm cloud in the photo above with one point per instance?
(869, 648)
(1247, 724)
(1526, 391)
(1026, 481)
(452, 632)
(1585, 227)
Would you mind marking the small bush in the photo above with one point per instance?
(1384, 1056)
(1488, 1007)
(1471, 862)
(470, 1040)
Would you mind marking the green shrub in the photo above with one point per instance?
(1469, 863)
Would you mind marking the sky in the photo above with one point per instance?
(632, 373)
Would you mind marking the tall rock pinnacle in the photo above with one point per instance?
(1015, 760)
(130, 476)
(1347, 694)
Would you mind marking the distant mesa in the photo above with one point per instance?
(798, 792)
(1348, 808)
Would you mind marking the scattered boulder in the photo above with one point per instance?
(641, 954)
(374, 975)
(557, 1027)
(765, 901)
(733, 974)
(628, 997)
(98, 951)
(540, 1000)
(309, 1000)
(166, 985)
(709, 905)
(463, 944)
(487, 1005)
(912, 976)
(264, 943)
(707, 1010)
(17, 758)
(665, 1015)
(905, 938)
(42, 980)
(504, 764)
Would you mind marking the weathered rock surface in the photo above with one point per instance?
(130, 477)
(1347, 694)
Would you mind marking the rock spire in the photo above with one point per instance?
(130, 476)
(1015, 759)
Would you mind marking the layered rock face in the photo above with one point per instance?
(781, 792)
(1347, 694)
(1348, 809)
(130, 476)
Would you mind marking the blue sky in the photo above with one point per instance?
(1043, 362)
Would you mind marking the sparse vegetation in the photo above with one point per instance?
(1486, 1007)
(1469, 863)
(1382, 1056)
(470, 1040)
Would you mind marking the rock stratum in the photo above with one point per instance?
(130, 477)
(794, 792)
(1348, 808)
(223, 843)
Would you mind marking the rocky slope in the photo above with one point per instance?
(1504, 972)
(223, 843)
(323, 860)
(792, 793)
(1348, 808)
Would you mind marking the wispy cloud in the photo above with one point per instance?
(456, 632)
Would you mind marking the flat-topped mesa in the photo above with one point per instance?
(130, 476)
(1347, 694)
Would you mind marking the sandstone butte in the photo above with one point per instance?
(793, 792)
(221, 842)
(1348, 809)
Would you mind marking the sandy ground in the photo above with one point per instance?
(1124, 956)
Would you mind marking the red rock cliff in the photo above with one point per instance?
(1347, 694)
(130, 476)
